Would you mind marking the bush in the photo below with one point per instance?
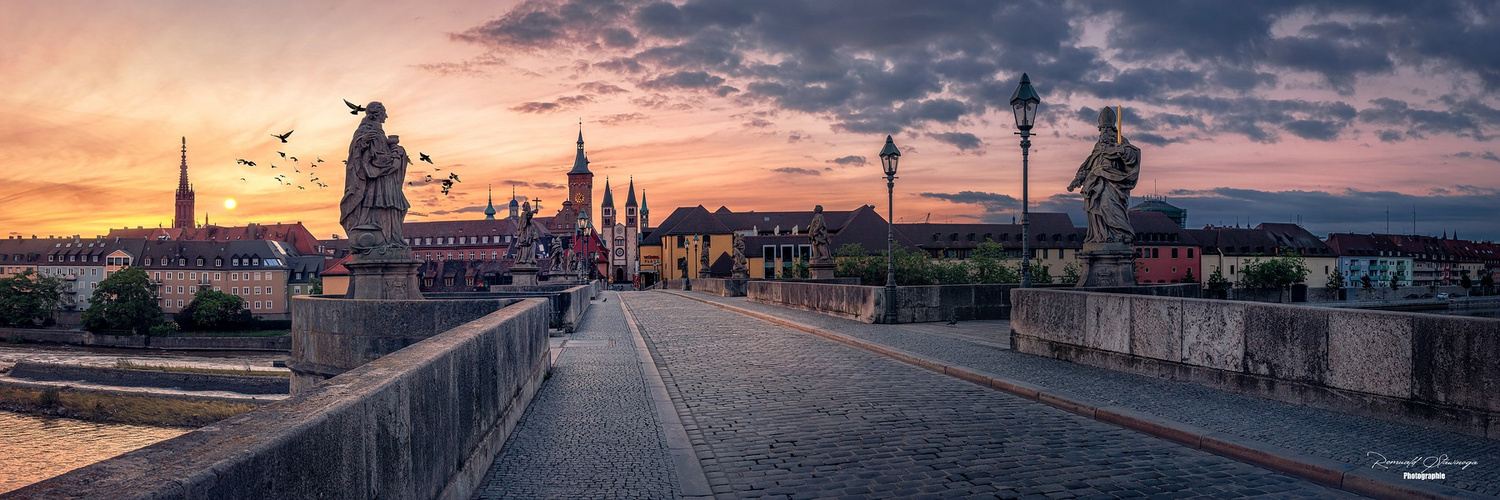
(1276, 273)
(124, 301)
(215, 311)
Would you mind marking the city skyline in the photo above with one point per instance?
(1246, 113)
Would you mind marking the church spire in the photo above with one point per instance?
(184, 206)
(581, 160)
(489, 211)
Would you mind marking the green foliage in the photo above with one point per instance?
(1216, 281)
(1336, 279)
(1366, 283)
(1041, 274)
(1276, 273)
(1464, 281)
(1487, 282)
(991, 264)
(124, 301)
(946, 272)
(28, 297)
(851, 250)
(315, 286)
(215, 311)
(1395, 283)
(164, 329)
(799, 269)
(1189, 278)
(1073, 272)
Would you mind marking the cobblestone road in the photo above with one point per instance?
(591, 432)
(778, 413)
(1347, 438)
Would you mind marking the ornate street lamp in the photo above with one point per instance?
(687, 275)
(583, 221)
(1024, 102)
(889, 156)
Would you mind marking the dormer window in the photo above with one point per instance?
(148, 261)
(200, 262)
(255, 261)
(218, 262)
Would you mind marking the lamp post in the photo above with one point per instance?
(687, 276)
(583, 221)
(889, 156)
(1024, 102)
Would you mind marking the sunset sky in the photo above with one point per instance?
(1336, 112)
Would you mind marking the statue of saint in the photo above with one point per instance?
(703, 259)
(372, 182)
(1107, 177)
(817, 231)
(741, 267)
(526, 237)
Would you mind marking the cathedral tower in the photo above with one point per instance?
(184, 216)
(581, 180)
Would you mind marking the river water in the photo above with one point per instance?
(37, 448)
(34, 448)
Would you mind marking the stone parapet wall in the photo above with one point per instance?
(916, 304)
(723, 287)
(422, 422)
(1430, 370)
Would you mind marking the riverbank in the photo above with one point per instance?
(252, 341)
(119, 407)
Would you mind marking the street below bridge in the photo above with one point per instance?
(760, 410)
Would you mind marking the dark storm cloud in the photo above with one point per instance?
(991, 202)
(849, 161)
(964, 141)
(796, 171)
(1206, 66)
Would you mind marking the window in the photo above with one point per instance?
(179, 302)
(236, 262)
(193, 275)
(148, 261)
(255, 290)
(158, 276)
(296, 290)
(192, 290)
(218, 262)
(257, 304)
(217, 289)
(268, 290)
(1174, 255)
(182, 261)
(218, 276)
(1190, 253)
(234, 290)
(1231, 269)
(199, 262)
(1156, 253)
(1044, 253)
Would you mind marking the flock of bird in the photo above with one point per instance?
(312, 179)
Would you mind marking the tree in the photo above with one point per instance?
(1216, 282)
(1041, 274)
(951, 272)
(28, 297)
(1189, 278)
(1487, 282)
(1336, 279)
(799, 269)
(1465, 282)
(124, 301)
(1276, 273)
(1395, 283)
(1366, 283)
(214, 311)
(991, 264)
(315, 286)
(1072, 273)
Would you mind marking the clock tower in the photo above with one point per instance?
(581, 181)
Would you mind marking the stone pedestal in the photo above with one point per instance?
(524, 275)
(1107, 264)
(387, 273)
(821, 270)
(703, 273)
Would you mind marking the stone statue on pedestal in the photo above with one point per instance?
(703, 260)
(372, 211)
(741, 267)
(1106, 178)
(817, 232)
(526, 237)
(373, 206)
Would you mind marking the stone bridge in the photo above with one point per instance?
(669, 394)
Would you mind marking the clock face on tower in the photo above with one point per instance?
(578, 198)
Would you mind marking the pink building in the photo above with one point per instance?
(1165, 253)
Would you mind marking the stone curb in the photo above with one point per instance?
(1331, 473)
(692, 482)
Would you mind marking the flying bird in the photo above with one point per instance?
(282, 153)
(300, 187)
(273, 166)
(296, 170)
(241, 161)
(242, 179)
(283, 136)
(320, 159)
(424, 157)
(454, 177)
(248, 163)
(294, 158)
(429, 178)
(354, 108)
(437, 170)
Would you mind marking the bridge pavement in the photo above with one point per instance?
(773, 412)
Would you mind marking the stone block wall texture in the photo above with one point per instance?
(1433, 370)
(914, 304)
(422, 422)
(723, 287)
(331, 335)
